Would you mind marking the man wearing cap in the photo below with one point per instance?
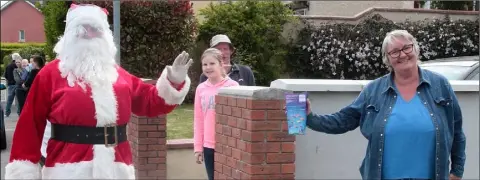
(240, 73)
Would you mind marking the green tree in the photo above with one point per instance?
(255, 28)
(54, 13)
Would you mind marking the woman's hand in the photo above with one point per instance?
(199, 157)
(453, 177)
(308, 107)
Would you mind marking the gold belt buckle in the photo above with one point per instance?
(114, 125)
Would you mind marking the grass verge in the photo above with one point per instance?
(180, 122)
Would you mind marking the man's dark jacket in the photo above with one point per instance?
(9, 73)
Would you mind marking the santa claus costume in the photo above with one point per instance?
(88, 100)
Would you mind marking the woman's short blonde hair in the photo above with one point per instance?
(217, 54)
(395, 34)
(16, 57)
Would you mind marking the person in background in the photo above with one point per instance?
(20, 74)
(240, 73)
(11, 85)
(30, 65)
(411, 118)
(46, 138)
(204, 107)
(37, 64)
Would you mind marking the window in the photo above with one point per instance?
(475, 77)
(21, 36)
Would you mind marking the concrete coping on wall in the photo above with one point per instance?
(179, 143)
(329, 85)
(253, 92)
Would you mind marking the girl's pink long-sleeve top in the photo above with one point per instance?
(204, 113)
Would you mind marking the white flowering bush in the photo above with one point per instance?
(346, 51)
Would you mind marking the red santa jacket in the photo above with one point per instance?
(51, 98)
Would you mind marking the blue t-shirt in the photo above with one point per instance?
(24, 74)
(409, 149)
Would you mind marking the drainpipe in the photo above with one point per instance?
(116, 28)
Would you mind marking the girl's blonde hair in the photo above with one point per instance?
(217, 54)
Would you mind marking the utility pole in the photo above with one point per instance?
(116, 28)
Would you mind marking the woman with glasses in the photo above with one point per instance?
(411, 118)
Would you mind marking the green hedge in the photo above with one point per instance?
(9, 48)
(20, 45)
(353, 51)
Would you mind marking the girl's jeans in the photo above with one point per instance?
(208, 159)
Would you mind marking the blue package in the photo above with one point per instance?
(296, 107)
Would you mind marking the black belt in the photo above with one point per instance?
(108, 135)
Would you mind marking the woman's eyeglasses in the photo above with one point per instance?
(407, 49)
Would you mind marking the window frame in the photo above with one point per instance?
(20, 35)
(474, 73)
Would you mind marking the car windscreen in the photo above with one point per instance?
(450, 72)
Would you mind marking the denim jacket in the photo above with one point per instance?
(370, 112)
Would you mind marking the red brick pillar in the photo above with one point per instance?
(147, 137)
(251, 134)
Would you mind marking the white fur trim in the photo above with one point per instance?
(105, 103)
(103, 158)
(22, 170)
(86, 170)
(171, 95)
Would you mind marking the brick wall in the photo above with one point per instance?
(147, 137)
(251, 135)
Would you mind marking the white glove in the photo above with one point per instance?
(178, 71)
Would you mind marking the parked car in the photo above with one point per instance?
(456, 68)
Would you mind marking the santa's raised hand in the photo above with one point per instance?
(179, 69)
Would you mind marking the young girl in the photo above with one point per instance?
(204, 107)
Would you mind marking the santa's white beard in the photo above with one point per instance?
(87, 61)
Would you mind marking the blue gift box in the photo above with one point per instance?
(296, 110)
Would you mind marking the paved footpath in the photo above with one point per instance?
(10, 124)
